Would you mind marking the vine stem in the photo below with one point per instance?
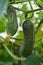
(16, 38)
(17, 2)
(34, 10)
(11, 54)
(41, 21)
(22, 39)
(30, 11)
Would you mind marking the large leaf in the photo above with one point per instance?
(6, 63)
(39, 44)
(3, 5)
(38, 35)
(2, 24)
(4, 56)
(32, 60)
(40, 14)
(39, 3)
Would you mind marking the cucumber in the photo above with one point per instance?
(12, 24)
(28, 41)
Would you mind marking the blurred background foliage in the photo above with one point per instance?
(25, 9)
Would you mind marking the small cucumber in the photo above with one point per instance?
(12, 24)
(28, 42)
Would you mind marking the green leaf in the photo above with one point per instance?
(2, 24)
(20, 35)
(40, 14)
(6, 63)
(3, 6)
(4, 56)
(21, 16)
(39, 3)
(39, 34)
(24, 7)
(32, 60)
(39, 44)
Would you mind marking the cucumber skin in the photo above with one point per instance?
(28, 42)
(12, 24)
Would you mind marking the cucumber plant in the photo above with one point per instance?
(28, 41)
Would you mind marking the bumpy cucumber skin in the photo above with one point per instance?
(28, 42)
(12, 24)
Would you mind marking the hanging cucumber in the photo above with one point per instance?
(28, 42)
(12, 24)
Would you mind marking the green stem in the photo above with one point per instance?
(11, 54)
(16, 38)
(22, 39)
(28, 11)
(41, 22)
(19, 9)
(34, 10)
(31, 9)
(26, 14)
(17, 2)
(38, 55)
(18, 45)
